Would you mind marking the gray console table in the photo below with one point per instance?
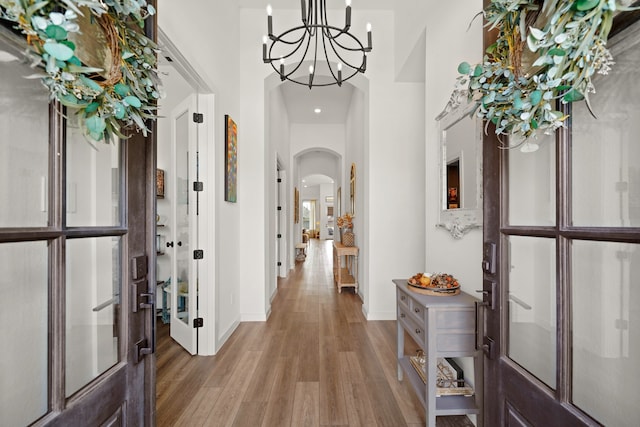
(443, 326)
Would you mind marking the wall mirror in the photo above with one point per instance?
(460, 168)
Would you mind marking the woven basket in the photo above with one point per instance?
(348, 239)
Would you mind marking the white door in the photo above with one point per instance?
(184, 226)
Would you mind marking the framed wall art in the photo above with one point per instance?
(231, 160)
(160, 183)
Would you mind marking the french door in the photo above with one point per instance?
(75, 221)
(184, 225)
(562, 261)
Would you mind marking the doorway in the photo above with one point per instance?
(184, 216)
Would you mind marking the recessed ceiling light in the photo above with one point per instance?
(317, 111)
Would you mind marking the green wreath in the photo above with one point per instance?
(106, 99)
(545, 50)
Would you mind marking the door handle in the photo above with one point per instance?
(488, 292)
(139, 290)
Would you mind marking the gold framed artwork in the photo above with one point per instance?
(352, 185)
(160, 183)
(231, 160)
(296, 205)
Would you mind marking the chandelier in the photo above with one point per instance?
(342, 54)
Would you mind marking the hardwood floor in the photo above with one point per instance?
(315, 362)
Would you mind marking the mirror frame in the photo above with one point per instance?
(460, 221)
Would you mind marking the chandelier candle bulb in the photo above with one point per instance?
(264, 49)
(339, 73)
(269, 20)
(281, 68)
(303, 7)
(368, 36)
(347, 24)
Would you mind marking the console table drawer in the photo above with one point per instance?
(404, 299)
(418, 311)
(417, 331)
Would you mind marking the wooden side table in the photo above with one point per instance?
(347, 275)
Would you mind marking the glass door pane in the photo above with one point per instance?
(24, 151)
(92, 309)
(605, 151)
(532, 306)
(24, 317)
(182, 263)
(532, 183)
(606, 330)
(93, 181)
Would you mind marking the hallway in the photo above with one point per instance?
(315, 362)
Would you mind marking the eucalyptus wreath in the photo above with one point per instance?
(105, 101)
(545, 51)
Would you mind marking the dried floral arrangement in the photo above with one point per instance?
(545, 51)
(345, 221)
(105, 100)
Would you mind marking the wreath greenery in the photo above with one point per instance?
(545, 51)
(106, 100)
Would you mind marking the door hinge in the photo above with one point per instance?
(198, 117)
(279, 208)
(279, 179)
(198, 254)
(198, 322)
(279, 264)
(279, 236)
(198, 186)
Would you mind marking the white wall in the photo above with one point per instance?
(461, 257)
(443, 253)
(216, 27)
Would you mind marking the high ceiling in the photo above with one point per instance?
(301, 102)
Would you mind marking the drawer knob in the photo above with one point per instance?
(418, 331)
(417, 310)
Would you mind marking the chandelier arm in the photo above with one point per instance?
(326, 28)
(291, 53)
(282, 40)
(351, 49)
(312, 72)
(304, 55)
(326, 55)
(344, 61)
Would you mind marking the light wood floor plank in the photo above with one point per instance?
(280, 404)
(306, 405)
(332, 403)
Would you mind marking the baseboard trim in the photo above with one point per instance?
(223, 339)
